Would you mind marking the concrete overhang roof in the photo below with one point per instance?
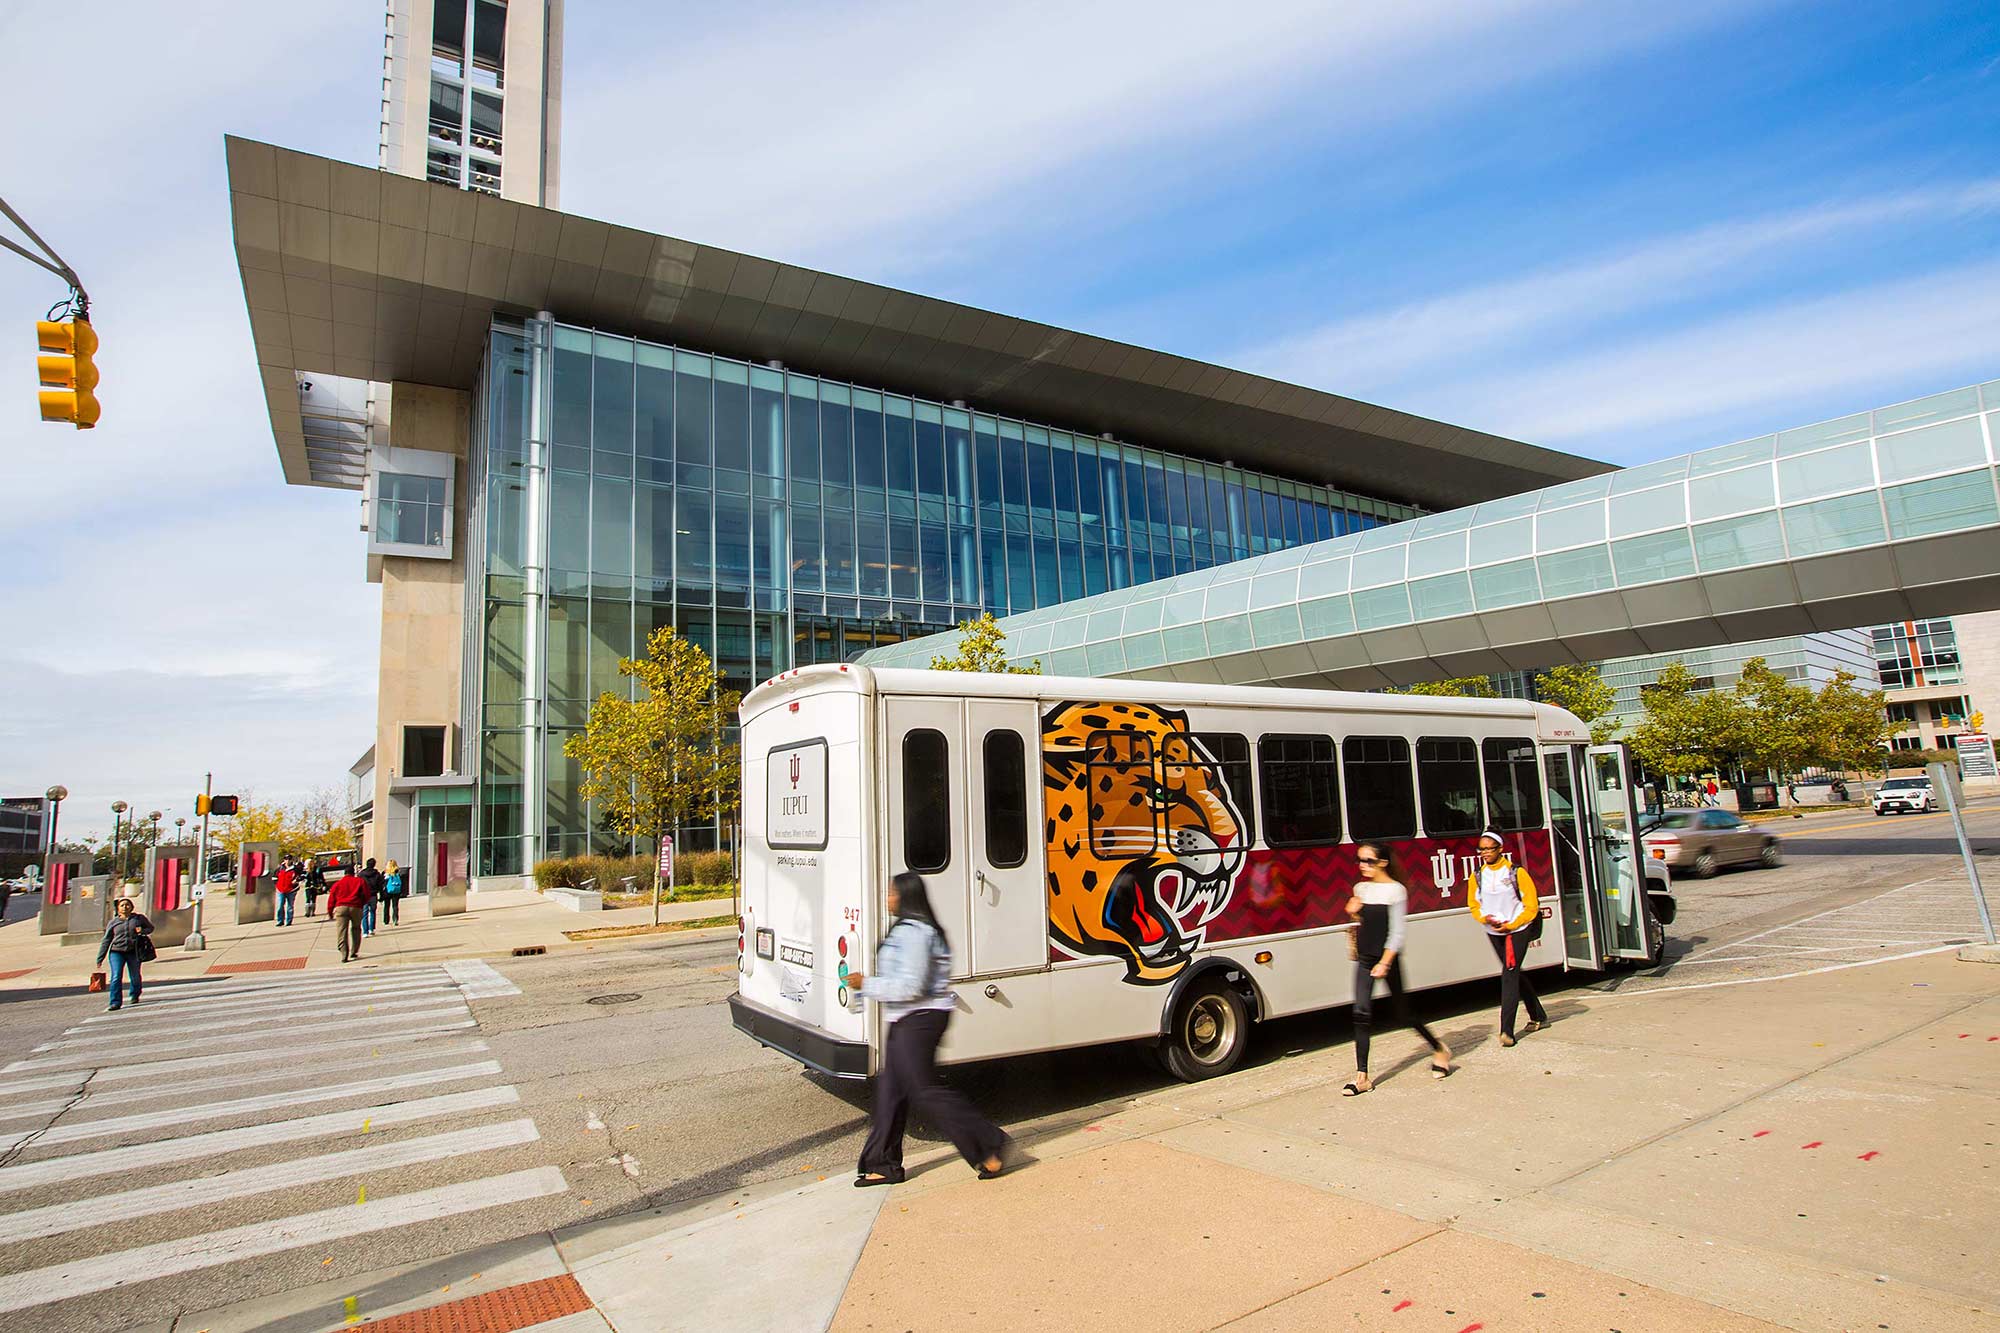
(352, 272)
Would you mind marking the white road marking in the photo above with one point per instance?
(42, 1082)
(22, 1291)
(478, 979)
(204, 991)
(164, 1090)
(117, 1209)
(105, 1037)
(182, 1011)
(283, 1036)
(288, 1052)
(126, 1124)
(1785, 976)
(139, 1156)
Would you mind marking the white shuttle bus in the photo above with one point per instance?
(1119, 860)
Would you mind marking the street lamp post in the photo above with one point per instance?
(180, 829)
(118, 809)
(57, 795)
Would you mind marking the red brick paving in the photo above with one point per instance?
(265, 965)
(519, 1306)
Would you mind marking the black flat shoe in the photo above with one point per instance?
(865, 1181)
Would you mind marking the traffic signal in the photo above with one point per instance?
(70, 375)
(215, 805)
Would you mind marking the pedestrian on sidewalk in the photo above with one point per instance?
(1502, 896)
(911, 983)
(1711, 793)
(392, 894)
(343, 904)
(1380, 908)
(288, 891)
(315, 885)
(127, 943)
(373, 879)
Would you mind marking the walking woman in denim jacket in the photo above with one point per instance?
(911, 983)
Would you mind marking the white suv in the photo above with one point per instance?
(1904, 795)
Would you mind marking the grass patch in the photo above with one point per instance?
(665, 927)
(683, 893)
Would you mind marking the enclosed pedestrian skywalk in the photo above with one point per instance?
(1886, 515)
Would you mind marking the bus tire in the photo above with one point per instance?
(1210, 1029)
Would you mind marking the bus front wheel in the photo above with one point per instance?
(1210, 1029)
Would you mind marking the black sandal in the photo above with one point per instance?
(863, 1182)
(1355, 1089)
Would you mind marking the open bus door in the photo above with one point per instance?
(1582, 946)
(1613, 864)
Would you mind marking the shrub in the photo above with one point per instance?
(572, 872)
(708, 868)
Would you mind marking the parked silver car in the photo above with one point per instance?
(1703, 841)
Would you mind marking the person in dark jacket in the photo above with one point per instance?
(127, 946)
(373, 878)
(315, 885)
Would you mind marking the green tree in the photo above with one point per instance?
(1778, 720)
(982, 646)
(1583, 691)
(1850, 725)
(1687, 729)
(1457, 687)
(656, 762)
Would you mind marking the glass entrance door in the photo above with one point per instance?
(1614, 852)
(1581, 946)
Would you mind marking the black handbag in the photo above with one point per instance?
(144, 950)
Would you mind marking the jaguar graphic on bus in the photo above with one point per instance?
(1106, 854)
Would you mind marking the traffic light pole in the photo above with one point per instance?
(196, 942)
(59, 266)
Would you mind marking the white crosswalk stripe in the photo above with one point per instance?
(61, 1217)
(22, 1291)
(141, 1047)
(103, 1145)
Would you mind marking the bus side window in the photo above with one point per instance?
(1006, 798)
(1381, 802)
(1228, 755)
(1512, 783)
(926, 801)
(1124, 798)
(1448, 778)
(1301, 786)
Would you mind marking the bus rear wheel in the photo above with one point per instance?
(1211, 1026)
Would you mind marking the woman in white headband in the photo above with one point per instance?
(1502, 895)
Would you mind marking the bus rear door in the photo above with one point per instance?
(924, 755)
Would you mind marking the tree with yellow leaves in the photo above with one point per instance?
(656, 762)
(982, 646)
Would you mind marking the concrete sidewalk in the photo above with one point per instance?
(1816, 1153)
(494, 925)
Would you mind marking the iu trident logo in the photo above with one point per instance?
(795, 768)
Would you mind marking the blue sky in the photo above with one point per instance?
(1620, 229)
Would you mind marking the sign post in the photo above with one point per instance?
(196, 941)
(664, 874)
(1944, 779)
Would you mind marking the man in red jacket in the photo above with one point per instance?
(344, 902)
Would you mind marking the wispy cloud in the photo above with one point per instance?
(884, 136)
(1821, 356)
(1377, 355)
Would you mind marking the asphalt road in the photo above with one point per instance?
(584, 1086)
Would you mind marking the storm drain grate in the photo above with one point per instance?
(616, 997)
(529, 950)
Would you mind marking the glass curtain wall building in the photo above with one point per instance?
(779, 519)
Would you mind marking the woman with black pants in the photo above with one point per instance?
(911, 983)
(1502, 895)
(1380, 908)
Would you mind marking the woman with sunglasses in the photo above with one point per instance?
(1380, 908)
(1502, 895)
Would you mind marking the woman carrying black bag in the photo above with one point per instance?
(1502, 896)
(127, 943)
(1380, 908)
